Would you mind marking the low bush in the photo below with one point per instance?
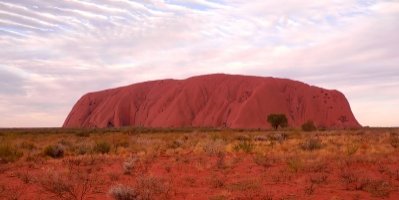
(351, 149)
(129, 164)
(243, 138)
(308, 126)
(83, 134)
(311, 144)
(279, 137)
(76, 184)
(150, 187)
(122, 192)
(27, 145)
(176, 144)
(245, 146)
(214, 147)
(82, 149)
(9, 153)
(54, 151)
(147, 188)
(102, 147)
(261, 138)
(394, 141)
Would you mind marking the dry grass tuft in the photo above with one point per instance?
(311, 144)
(245, 146)
(150, 187)
(9, 153)
(123, 192)
(102, 147)
(73, 184)
(214, 147)
(130, 164)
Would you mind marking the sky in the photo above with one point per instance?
(54, 51)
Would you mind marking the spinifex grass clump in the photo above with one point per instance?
(122, 192)
(9, 153)
(54, 151)
(102, 147)
(215, 147)
(245, 146)
(311, 144)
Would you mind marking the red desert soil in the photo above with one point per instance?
(223, 165)
(217, 100)
(201, 177)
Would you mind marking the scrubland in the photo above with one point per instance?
(146, 164)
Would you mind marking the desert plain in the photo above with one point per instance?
(138, 163)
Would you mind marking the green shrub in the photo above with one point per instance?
(54, 151)
(277, 120)
(308, 126)
(9, 153)
(102, 147)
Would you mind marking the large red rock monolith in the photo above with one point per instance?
(217, 100)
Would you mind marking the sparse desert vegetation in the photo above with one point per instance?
(147, 164)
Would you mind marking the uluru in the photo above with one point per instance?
(216, 100)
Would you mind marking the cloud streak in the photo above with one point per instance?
(55, 51)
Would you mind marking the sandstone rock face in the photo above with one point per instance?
(216, 100)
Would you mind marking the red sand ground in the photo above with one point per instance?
(212, 101)
(196, 177)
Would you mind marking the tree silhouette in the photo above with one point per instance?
(277, 120)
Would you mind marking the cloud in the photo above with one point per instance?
(55, 51)
(11, 84)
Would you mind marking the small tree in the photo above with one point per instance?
(277, 120)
